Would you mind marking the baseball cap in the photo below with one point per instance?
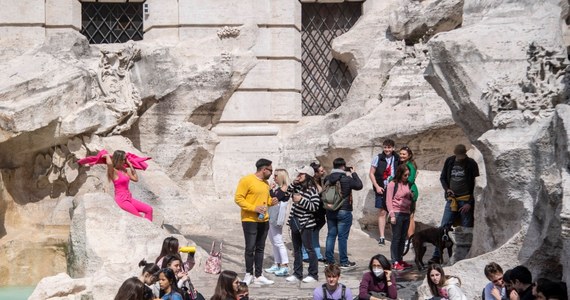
(306, 170)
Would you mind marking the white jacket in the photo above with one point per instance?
(453, 288)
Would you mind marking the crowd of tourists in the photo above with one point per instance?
(270, 200)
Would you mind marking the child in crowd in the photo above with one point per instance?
(168, 289)
(148, 277)
(332, 289)
(242, 292)
(227, 286)
(495, 289)
(170, 246)
(132, 289)
(442, 286)
(379, 282)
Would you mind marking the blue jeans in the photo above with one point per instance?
(316, 246)
(338, 223)
(399, 232)
(450, 216)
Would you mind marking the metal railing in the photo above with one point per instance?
(326, 81)
(104, 23)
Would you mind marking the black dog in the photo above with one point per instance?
(439, 237)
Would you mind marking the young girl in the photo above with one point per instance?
(170, 246)
(399, 201)
(442, 286)
(121, 176)
(407, 157)
(380, 282)
(227, 286)
(148, 276)
(168, 288)
(131, 289)
(276, 222)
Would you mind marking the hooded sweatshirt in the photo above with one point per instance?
(452, 287)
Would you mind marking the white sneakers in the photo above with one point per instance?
(307, 279)
(262, 280)
(248, 278)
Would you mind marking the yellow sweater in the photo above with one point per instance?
(251, 192)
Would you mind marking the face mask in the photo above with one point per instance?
(378, 272)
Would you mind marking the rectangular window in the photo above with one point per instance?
(326, 81)
(105, 23)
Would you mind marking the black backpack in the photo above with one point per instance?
(342, 296)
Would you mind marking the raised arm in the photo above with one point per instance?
(110, 168)
(131, 172)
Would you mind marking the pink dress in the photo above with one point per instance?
(126, 201)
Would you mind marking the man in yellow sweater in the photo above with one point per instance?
(252, 196)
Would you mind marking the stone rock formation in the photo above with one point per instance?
(429, 74)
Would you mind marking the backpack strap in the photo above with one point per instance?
(324, 291)
(343, 294)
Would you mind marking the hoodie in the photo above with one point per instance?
(347, 185)
(453, 288)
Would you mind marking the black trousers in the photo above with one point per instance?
(255, 234)
(304, 238)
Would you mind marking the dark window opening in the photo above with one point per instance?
(105, 23)
(326, 81)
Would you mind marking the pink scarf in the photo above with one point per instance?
(137, 161)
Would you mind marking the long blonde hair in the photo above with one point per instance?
(282, 177)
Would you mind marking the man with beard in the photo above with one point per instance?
(252, 196)
(458, 181)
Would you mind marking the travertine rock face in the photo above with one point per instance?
(497, 83)
(61, 97)
(509, 98)
(388, 99)
(414, 20)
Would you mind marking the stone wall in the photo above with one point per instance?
(214, 86)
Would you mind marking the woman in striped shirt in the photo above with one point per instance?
(302, 222)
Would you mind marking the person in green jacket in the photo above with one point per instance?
(407, 157)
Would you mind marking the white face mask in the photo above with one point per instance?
(378, 272)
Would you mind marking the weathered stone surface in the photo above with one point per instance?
(499, 80)
(60, 285)
(504, 97)
(415, 20)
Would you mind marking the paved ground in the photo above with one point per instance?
(362, 246)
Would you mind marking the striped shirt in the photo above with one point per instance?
(304, 209)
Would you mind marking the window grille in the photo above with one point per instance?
(326, 81)
(104, 23)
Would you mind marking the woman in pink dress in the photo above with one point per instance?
(121, 175)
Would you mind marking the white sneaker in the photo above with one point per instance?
(292, 278)
(247, 278)
(273, 269)
(309, 279)
(262, 280)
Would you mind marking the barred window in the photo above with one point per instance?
(326, 81)
(105, 23)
